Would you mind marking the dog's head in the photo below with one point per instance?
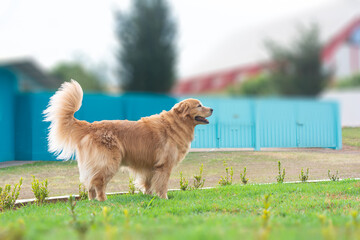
(193, 110)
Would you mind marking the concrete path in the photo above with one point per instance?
(14, 163)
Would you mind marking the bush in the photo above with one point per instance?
(131, 186)
(8, 197)
(40, 190)
(261, 85)
(198, 179)
(227, 180)
(350, 82)
(333, 177)
(81, 227)
(304, 176)
(83, 194)
(243, 178)
(281, 176)
(184, 184)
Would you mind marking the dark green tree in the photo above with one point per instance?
(147, 54)
(88, 80)
(299, 68)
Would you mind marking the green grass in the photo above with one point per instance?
(351, 136)
(232, 212)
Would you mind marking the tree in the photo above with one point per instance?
(88, 80)
(299, 68)
(147, 55)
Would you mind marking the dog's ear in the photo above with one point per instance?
(181, 107)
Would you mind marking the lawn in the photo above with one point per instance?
(297, 211)
(261, 167)
(351, 136)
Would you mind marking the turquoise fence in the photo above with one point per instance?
(270, 123)
(236, 122)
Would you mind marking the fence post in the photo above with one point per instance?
(256, 125)
(338, 129)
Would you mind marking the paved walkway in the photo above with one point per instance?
(14, 163)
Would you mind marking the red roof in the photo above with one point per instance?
(217, 81)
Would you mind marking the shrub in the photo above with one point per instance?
(260, 85)
(40, 190)
(83, 194)
(184, 184)
(198, 179)
(227, 180)
(265, 218)
(350, 82)
(304, 176)
(81, 227)
(8, 197)
(333, 177)
(131, 186)
(280, 178)
(243, 178)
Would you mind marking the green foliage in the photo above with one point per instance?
(233, 212)
(299, 68)
(333, 177)
(227, 180)
(281, 176)
(15, 231)
(80, 226)
(198, 179)
(184, 184)
(147, 55)
(243, 178)
(8, 197)
(261, 85)
(40, 190)
(88, 80)
(349, 82)
(83, 193)
(131, 186)
(304, 176)
(265, 218)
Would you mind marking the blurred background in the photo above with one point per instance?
(207, 47)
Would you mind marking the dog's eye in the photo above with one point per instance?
(199, 105)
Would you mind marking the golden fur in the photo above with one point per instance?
(149, 148)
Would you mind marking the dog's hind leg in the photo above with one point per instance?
(99, 186)
(92, 194)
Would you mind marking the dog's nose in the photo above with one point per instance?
(211, 110)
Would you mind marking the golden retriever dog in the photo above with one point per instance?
(149, 148)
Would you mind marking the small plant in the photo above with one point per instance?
(333, 177)
(304, 176)
(184, 184)
(198, 179)
(227, 180)
(8, 197)
(83, 194)
(280, 178)
(131, 186)
(243, 178)
(81, 227)
(40, 190)
(265, 218)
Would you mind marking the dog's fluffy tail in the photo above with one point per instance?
(64, 127)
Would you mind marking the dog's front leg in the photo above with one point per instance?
(160, 181)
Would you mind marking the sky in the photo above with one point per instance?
(83, 30)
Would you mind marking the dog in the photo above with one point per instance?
(149, 148)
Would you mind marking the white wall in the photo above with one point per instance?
(349, 101)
